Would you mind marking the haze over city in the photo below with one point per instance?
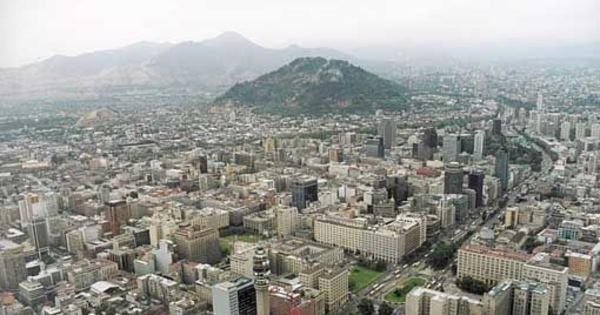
(431, 157)
(33, 30)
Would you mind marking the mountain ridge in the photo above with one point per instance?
(201, 67)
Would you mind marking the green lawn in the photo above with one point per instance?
(226, 242)
(362, 277)
(405, 287)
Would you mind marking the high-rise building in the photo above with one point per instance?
(430, 138)
(476, 180)
(116, 212)
(198, 244)
(334, 282)
(565, 131)
(497, 126)
(453, 179)
(203, 163)
(335, 154)
(450, 148)
(478, 146)
(375, 147)
(235, 297)
(555, 277)
(517, 298)
(422, 301)
(287, 220)
(501, 167)
(38, 234)
(12, 265)
(305, 189)
(595, 131)
(387, 129)
(261, 281)
(522, 116)
(493, 266)
(540, 102)
(579, 131)
(32, 293)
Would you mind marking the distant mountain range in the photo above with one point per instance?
(209, 67)
(314, 85)
(192, 67)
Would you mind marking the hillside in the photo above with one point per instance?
(315, 86)
(98, 117)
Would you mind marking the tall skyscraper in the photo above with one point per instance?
(453, 179)
(38, 234)
(476, 180)
(235, 297)
(375, 147)
(261, 281)
(430, 138)
(116, 213)
(450, 147)
(497, 126)
(304, 189)
(501, 167)
(479, 145)
(579, 131)
(565, 131)
(540, 102)
(203, 163)
(387, 129)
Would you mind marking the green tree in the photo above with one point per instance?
(365, 307)
(472, 285)
(440, 257)
(385, 309)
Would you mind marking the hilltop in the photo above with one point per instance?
(315, 85)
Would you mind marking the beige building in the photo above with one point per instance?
(241, 260)
(161, 227)
(295, 255)
(198, 244)
(260, 222)
(157, 287)
(517, 298)
(209, 217)
(85, 273)
(591, 304)
(554, 277)
(334, 284)
(288, 220)
(388, 242)
(493, 266)
(489, 265)
(422, 301)
(12, 265)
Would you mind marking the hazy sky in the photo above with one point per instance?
(32, 30)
